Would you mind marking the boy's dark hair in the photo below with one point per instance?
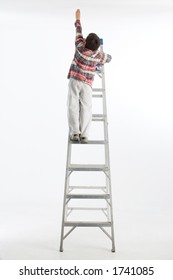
(92, 42)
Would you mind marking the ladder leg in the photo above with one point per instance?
(64, 214)
(107, 161)
(110, 208)
(112, 226)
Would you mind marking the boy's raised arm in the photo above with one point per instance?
(79, 41)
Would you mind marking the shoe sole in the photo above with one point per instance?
(84, 141)
(75, 140)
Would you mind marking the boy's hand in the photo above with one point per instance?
(78, 14)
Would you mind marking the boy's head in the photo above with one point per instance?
(92, 42)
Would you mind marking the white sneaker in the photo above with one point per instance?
(75, 137)
(84, 140)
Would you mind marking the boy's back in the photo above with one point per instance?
(85, 60)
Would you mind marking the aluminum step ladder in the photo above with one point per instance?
(102, 193)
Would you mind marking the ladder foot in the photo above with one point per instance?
(61, 250)
(113, 250)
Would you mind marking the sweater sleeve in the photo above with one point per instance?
(79, 40)
(105, 58)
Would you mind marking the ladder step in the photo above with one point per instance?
(91, 142)
(98, 117)
(88, 196)
(87, 224)
(97, 95)
(87, 208)
(87, 167)
(98, 89)
(87, 187)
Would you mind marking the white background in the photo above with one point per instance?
(36, 49)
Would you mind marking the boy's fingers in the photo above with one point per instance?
(78, 14)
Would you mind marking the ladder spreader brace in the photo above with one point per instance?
(105, 168)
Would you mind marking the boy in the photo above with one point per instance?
(81, 75)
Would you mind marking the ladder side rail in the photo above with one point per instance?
(107, 155)
(67, 175)
(106, 138)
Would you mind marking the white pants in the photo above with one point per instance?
(79, 107)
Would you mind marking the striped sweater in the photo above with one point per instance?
(85, 61)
